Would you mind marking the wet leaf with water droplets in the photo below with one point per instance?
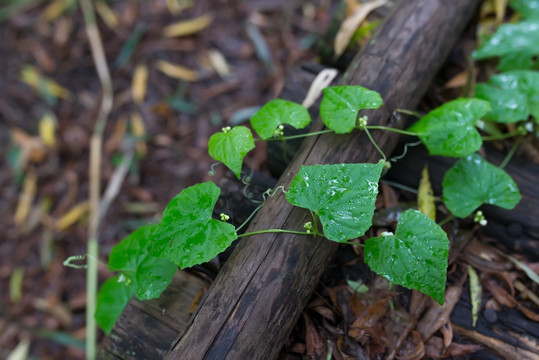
(150, 275)
(111, 300)
(415, 257)
(340, 106)
(449, 129)
(473, 181)
(342, 195)
(277, 112)
(187, 235)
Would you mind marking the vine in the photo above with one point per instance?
(340, 197)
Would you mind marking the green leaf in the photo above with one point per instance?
(508, 106)
(150, 275)
(449, 129)
(518, 60)
(342, 195)
(111, 300)
(187, 235)
(277, 112)
(340, 106)
(475, 293)
(231, 146)
(511, 38)
(525, 82)
(415, 257)
(472, 181)
(527, 8)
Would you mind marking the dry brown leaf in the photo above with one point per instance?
(139, 130)
(322, 80)
(438, 315)
(414, 349)
(26, 197)
(458, 80)
(316, 347)
(447, 332)
(219, 63)
(188, 27)
(72, 216)
(55, 9)
(117, 135)
(500, 294)
(435, 349)
(351, 23)
(139, 83)
(368, 319)
(176, 71)
(108, 15)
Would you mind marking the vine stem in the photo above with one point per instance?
(378, 127)
(502, 136)
(510, 154)
(374, 143)
(100, 61)
(267, 231)
(299, 136)
(446, 220)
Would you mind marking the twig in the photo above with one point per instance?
(96, 143)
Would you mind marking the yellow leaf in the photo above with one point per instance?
(188, 27)
(458, 80)
(107, 14)
(425, 197)
(351, 23)
(47, 127)
(32, 76)
(475, 293)
(72, 216)
(219, 63)
(140, 83)
(139, 130)
(26, 198)
(56, 8)
(15, 284)
(176, 71)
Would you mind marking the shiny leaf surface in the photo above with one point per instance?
(414, 257)
(449, 129)
(342, 195)
(187, 235)
(111, 300)
(277, 112)
(472, 181)
(340, 106)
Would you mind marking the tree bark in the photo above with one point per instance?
(259, 294)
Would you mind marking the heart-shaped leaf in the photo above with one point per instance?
(111, 300)
(525, 82)
(520, 37)
(231, 146)
(415, 257)
(341, 104)
(472, 181)
(277, 112)
(150, 275)
(187, 235)
(449, 129)
(342, 195)
(529, 9)
(508, 106)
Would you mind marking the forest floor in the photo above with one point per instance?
(234, 57)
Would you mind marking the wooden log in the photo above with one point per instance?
(259, 294)
(146, 329)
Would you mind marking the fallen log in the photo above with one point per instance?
(260, 292)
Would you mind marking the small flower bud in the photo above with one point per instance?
(224, 217)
